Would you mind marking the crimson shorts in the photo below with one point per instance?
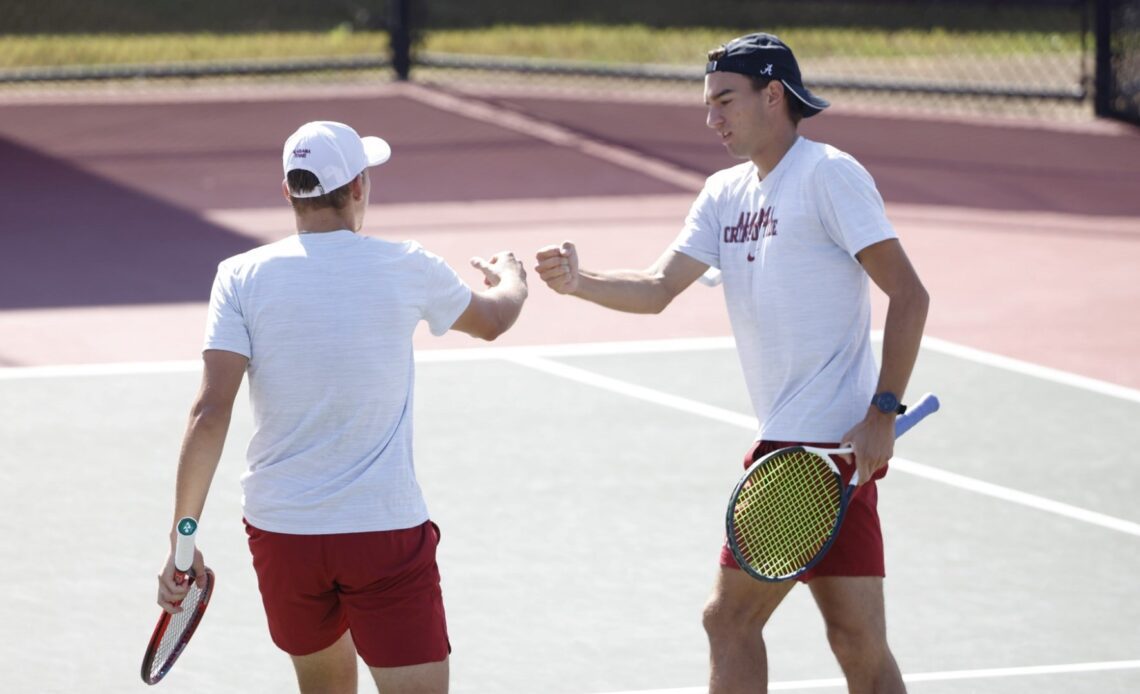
(383, 586)
(858, 548)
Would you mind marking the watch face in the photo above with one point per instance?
(887, 402)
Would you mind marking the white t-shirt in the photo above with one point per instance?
(797, 298)
(326, 320)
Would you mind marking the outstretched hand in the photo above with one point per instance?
(501, 265)
(558, 267)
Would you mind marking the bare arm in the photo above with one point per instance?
(889, 268)
(632, 291)
(495, 309)
(201, 451)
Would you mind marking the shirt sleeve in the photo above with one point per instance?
(225, 324)
(700, 237)
(849, 204)
(447, 295)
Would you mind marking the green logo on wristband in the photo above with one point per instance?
(187, 526)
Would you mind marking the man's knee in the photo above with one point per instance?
(740, 605)
(715, 618)
(854, 645)
(724, 618)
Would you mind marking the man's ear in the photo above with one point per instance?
(776, 92)
(285, 189)
(357, 188)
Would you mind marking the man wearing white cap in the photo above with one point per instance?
(322, 321)
(796, 233)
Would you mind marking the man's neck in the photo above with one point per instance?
(323, 221)
(771, 156)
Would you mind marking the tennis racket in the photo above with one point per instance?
(787, 508)
(173, 631)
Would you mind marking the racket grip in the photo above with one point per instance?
(184, 545)
(927, 405)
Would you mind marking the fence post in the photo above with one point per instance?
(1102, 100)
(400, 36)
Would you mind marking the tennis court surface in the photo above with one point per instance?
(579, 469)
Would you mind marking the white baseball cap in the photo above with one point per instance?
(332, 152)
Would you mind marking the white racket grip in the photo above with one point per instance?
(187, 529)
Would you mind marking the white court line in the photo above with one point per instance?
(1015, 496)
(736, 419)
(538, 358)
(17, 373)
(423, 356)
(431, 356)
(1029, 369)
(580, 349)
(944, 676)
(614, 385)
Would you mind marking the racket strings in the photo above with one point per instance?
(172, 640)
(786, 512)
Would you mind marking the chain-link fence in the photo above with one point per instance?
(1022, 56)
(53, 40)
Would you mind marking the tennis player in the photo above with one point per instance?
(322, 322)
(797, 232)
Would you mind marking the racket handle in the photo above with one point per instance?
(184, 546)
(927, 405)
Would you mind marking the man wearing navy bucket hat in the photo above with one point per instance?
(795, 234)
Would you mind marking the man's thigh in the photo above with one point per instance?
(427, 678)
(851, 603)
(745, 599)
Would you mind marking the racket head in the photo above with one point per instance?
(173, 631)
(784, 513)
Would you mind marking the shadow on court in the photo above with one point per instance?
(73, 238)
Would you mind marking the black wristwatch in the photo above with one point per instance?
(888, 403)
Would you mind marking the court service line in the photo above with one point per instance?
(907, 466)
(934, 344)
(538, 358)
(19, 373)
(633, 390)
(943, 676)
(1014, 496)
(1030, 369)
(600, 349)
(423, 356)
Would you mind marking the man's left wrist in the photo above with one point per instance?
(887, 403)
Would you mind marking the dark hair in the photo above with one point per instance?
(301, 181)
(794, 105)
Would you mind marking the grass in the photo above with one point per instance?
(111, 49)
(641, 44)
(607, 44)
